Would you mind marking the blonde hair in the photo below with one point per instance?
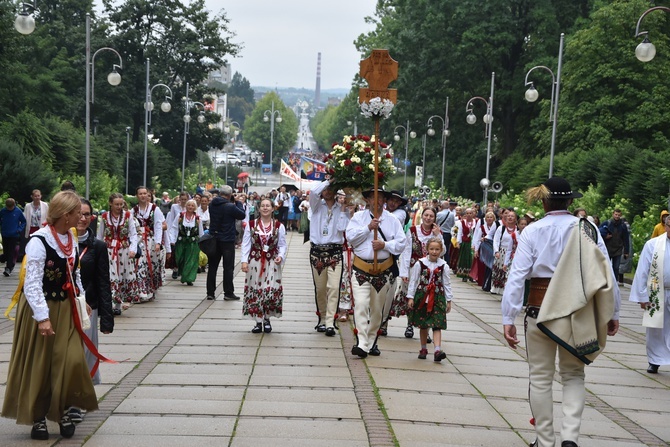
(435, 240)
(64, 202)
(192, 201)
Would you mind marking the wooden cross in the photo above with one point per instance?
(379, 70)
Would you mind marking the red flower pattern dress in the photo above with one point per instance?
(263, 290)
(120, 235)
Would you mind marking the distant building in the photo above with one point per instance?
(332, 101)
(222, 74)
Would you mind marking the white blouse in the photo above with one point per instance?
(36, 255)
(247, 242)
(415, 274)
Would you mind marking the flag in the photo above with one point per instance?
(312, 169)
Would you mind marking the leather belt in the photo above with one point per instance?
(368, 266)
(538, 288)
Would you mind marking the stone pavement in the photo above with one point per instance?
(196, 376)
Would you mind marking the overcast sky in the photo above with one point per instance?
(281, 39)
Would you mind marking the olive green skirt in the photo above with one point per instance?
(47, 375)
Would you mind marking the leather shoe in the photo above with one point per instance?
(257, 329)
(175, 274)
(359, 352)
(569, 444)
(321, 328)
(653, 369)
(230, 297)
(211, 297)
(375, 351)
(330, 331)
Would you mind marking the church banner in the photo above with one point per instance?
(311, 169)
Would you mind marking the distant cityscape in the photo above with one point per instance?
(291, 95)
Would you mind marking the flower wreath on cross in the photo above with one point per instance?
(351, 162)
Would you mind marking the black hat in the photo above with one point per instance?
(398, 195)
(369, 192)
(559, 188)
(213, 191)
(453, 202)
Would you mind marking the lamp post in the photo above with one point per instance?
(488, 120)
(445, 133)
(646, 50)
(226, 130)
(127, 156)
(148, 107)
(25, 22)
(532, 95)
(408, 134)
(114, 78)
(187, 121)
(269, 115)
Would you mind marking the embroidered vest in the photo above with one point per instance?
(55, 274)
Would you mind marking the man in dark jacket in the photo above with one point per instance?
(12, 224)
(615, 234)
(223, 213)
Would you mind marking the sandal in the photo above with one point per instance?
(67, 427)
(39, 430)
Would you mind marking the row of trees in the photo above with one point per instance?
(612, 120)
(42, 94)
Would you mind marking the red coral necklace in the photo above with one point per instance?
(67, 250)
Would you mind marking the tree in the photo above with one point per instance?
(257, 131)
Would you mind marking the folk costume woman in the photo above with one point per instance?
(466, 228)
(118, 229)
(505, 240)
(483, 251)
(186, 230)
(47, 369)
(416, 249)
(150, 265)
(263, 252)
(429, 296)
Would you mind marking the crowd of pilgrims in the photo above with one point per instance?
(122, 256)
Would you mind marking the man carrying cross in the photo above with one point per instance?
(371, 281)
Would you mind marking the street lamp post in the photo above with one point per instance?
(187, 121)
(532, 95)
(445, 133)
(127, 156)
(408, 134)
(226, 130)
(488, 120)
(646, 50)
(148, 107)
(25, 22)
(114, 78)
(269, 115)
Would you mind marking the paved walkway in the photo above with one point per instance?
(197, 376)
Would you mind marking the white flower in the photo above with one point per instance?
(342, 163)
(371, 166)
(377, 107)
(355, 159)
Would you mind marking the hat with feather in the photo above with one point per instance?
(553, 188)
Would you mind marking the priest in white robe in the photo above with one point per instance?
(651, 288)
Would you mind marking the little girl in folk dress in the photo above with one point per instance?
(429, 295)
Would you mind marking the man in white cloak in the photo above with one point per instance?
(651, 288)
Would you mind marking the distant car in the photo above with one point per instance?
(231, 158)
